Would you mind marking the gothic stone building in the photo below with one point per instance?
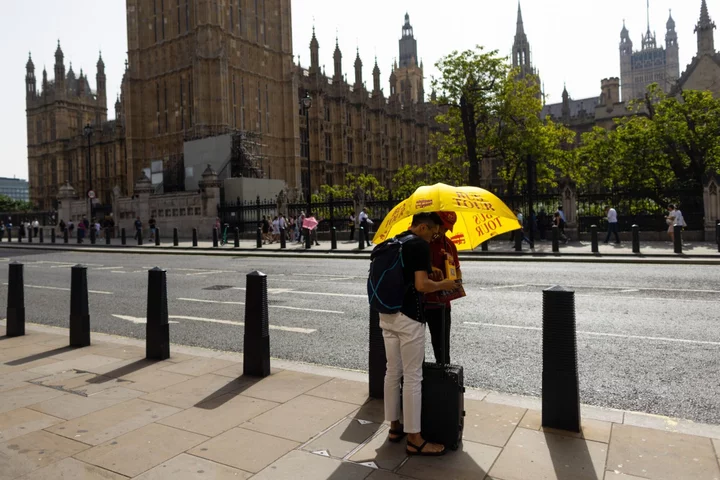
(356, 129)
(196, 68)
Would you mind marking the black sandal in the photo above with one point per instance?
(419, 450)
(400, 435)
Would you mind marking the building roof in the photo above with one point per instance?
(576, 106)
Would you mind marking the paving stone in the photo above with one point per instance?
(244, 449)
(716, 442)
(189, 467)
(19, 352)
(8, 381)
(219, 414)
(35, 450)
(490, 423)
(659, 455)
(79, 382)
(101, 426)
(5, 369)
(530, 403)
(85, 363)
(24, 396)
(154, 379)
(197, 366)
(343, 437)
(672, 424)
(372, 411)
(621, 476)
(306, 466)
(469, 462)
(124, 367)
(94, 349)
(196, 390)
(385, 475)
(233, 371)
(284, 386)
(29, 338)
(531, 455)
(22, 421)
(385, 454)
(140, 450)
(72, 469)
(342, 390)
(301, 418)
(72, 406)
(603, 414)
(595, 430)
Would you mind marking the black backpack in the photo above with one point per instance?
(386, 281)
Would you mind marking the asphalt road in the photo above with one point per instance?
(648, 336)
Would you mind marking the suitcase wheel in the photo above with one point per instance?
(463, 414)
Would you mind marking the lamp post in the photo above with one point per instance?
(306, 104)
(87, 131)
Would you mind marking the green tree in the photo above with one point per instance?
(492, 116)
(359, 188)
(411, 177)
(7, 204)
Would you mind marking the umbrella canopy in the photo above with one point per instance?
(480, 214)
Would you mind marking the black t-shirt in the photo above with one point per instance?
(416, 257)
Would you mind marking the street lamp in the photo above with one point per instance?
(306, 104)
(88, 131)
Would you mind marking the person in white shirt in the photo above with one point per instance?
(612, 224)
(365, 223)
(675, 217)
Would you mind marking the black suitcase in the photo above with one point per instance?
(443, 402)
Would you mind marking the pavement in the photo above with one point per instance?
(647, 335)
(104, 412)
(694, 253)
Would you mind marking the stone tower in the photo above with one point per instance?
(199, 68)
(651, 64)
(704, 30)
(58, 112)
(407, 79)
(521, 55)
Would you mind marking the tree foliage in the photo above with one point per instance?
(445, 170)
(357, 187)
(7, 204)
(493, 118)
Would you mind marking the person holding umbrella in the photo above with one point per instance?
(444, 260)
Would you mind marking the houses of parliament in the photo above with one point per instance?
(202, 68)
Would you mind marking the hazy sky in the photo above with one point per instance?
(573, 41)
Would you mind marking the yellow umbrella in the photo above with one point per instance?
(480, 214)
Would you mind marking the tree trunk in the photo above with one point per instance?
(467, 114)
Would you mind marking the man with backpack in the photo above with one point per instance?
(398, 278)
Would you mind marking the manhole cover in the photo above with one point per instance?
(218, 287)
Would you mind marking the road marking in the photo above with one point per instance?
(320, 275)
(506, 286)
(100, 292)
(240, 324)
(601, 334)
(209, 272)
(605, 287)
(632, 290)
(107, 268)
(138, 320)
(269, 306)
(327, 294)
(68, 265)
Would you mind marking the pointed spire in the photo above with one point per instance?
(648, 17)
(337, 60)
(59, 53)
(100, 63)
(30, 66)
(704, 30)
(704, 14)
(520, 25)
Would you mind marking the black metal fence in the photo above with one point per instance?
(15, 218)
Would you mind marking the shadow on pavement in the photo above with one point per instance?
(122, 371)
(571, 458)
(39, 356)
(226, 393)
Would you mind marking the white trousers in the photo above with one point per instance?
(405, 352)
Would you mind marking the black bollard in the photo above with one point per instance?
(123, 238)
(157, 237)
(79, 308)
(9, 234)
(678, 238)
(176, 241)
(139, 237)
(77, 235)
(93, 235)
(256, 349)
(377, 363)
(717, 235)
(15, 326)
(66, 235)
(484, 245)
(42, 235)
(518, 240)
(215, 237)
(361, 238)
(194, 237)
(283, 241)
(308, 239)
(237, 237)
(560, 386)
(157, 334)
(594, 239)
(30, 232)
(555, 239)
(52, 235)
(333, 239)
(107, 235)
(258, 238)
(636, 239)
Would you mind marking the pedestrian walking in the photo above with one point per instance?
(674, 217)
(365, 223)
(351, 224)
(138, 228)
(612, 224)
